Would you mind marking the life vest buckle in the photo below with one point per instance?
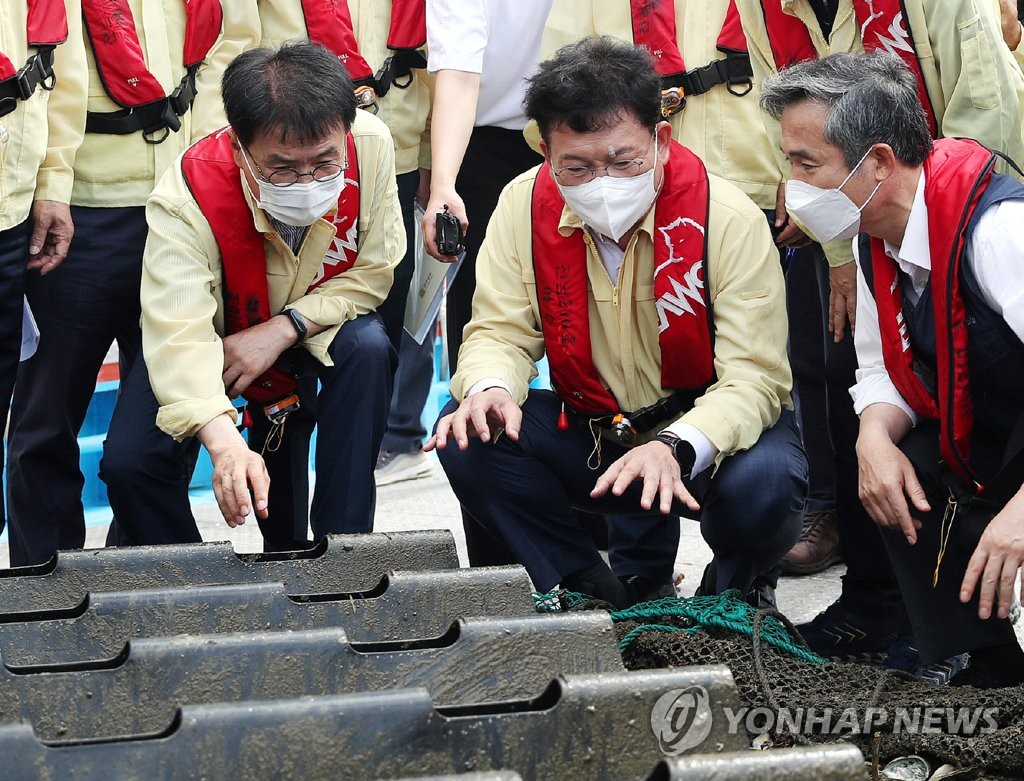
(673, 100)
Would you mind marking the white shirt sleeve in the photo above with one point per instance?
(873, 384)
(703, 448)
(457, 33)
(486, 384)
(998, 261)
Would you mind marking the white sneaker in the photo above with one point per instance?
(395, 467)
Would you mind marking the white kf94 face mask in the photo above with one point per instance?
(828, 214)
(612, 205)
(300, 204)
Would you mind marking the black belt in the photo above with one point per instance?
(151, 118)
(37, 72)
(733, 71)
(625, 427)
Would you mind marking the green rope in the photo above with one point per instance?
(559, 601)
(724, 611)
(627, 641)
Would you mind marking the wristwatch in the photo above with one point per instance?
(298, 322)
(682, 450)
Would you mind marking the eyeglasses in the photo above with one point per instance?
(286, 177)
(581, 174)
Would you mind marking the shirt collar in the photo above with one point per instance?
(916, 248)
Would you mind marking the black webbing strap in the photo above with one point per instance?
(37, 72)
(734, 70)
(151, 118)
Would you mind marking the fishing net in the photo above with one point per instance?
(888, 713)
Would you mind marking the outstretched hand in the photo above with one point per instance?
(656, 466)
(485, 415)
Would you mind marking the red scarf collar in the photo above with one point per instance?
(680, 290)
(956, 175)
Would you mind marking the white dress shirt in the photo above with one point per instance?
(997, 252)
(500, 40)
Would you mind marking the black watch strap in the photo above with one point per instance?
(685, 455)
(298, 322)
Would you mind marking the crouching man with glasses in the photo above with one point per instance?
(271, 244)
(655, 290)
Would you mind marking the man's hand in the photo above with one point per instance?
(439, 198)
(996, 560)
(886, 481)
(251, 352)
(485, 415)
(842, 299)
(788, 232)
(657, 467)
(235, 469)
(51, 235)
(1010, 24)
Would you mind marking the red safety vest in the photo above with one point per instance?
(215, 182)
(119, 59)
(680, 289)
(46, 28)
(883, 25)
(329, 23)
(654, 28)
(956, 175)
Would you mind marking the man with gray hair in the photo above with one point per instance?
(940, 386)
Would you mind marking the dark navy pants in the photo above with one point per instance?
(524, 493)
(13, 256)
(943, 625)
(147, 473)
(82, 307)
(823, 372)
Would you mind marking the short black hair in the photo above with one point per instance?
(589, 84)
(300, 91)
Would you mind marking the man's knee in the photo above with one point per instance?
(363, 344)
(761, 492)
(130, 461)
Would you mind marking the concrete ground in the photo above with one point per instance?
(428, 503)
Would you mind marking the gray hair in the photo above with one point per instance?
(870, 99)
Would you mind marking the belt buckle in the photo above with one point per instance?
(366, 98)
(673, 100)
(276, 412)
(622, 430)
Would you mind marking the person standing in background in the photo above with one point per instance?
(153, 72)
(481, 52)
(40, 49)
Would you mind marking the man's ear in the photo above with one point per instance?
(885, 161)
(663, 130)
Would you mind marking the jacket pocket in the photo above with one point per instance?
(978, 65)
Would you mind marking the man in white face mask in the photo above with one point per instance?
(271, 244)
(655, 290)
(940, 344)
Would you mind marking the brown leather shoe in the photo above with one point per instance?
(818, 547)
